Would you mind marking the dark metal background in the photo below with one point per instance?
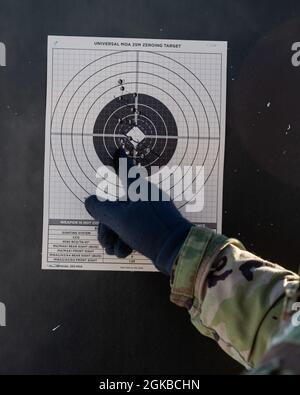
(123, 322)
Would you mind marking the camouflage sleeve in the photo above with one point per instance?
(232, 296)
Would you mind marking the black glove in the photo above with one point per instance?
(156, 229)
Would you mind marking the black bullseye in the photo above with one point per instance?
(144, 127)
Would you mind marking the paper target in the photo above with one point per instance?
(163, 101)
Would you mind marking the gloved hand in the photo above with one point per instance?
(156, 229)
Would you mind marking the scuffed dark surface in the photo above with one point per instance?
(123, 322)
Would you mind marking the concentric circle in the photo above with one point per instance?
(149, 103)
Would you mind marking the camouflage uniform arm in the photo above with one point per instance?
(232, 296)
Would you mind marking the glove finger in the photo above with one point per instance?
(106, 212)
(106, 236)
(121, 249)
(109, 250)
(111, 242)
